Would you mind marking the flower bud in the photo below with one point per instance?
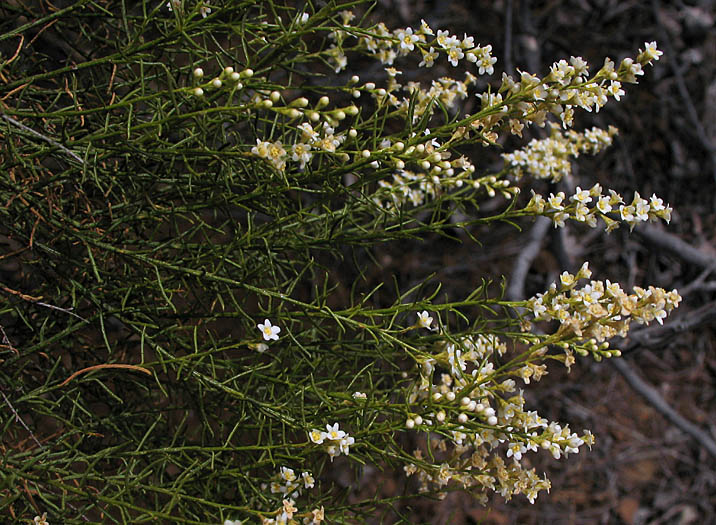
(300, 102)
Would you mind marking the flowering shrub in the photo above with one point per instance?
(235, 162)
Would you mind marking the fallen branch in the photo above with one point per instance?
(43, 137)
(675, 245)
(652, 396)
(516, 288)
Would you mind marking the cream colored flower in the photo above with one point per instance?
(268, 331)
(424, 319)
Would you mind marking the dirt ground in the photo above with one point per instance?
(644, 468)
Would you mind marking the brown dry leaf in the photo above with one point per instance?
(573, 496)
(488, 516)
(640, 472)
(627, 509)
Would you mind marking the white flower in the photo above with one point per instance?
(486, 60)
(428, 58)
(581, 195)
(345, 443)
(603, 204)
(651, 52)
(334, 433)
(41, 520)
(287, 474)
(424, 319)
(174, 4)
(205, 10)
(407, 39)
(516, 450)
(555, 201)
(454, 55)
(303, 18)
(235, 522)
(359, 395)
(308, 481)
(425, 28)
(656, 203)
(442, 38)
(301, 154)
(317, 436)
(269, 332)
(308, 132)
(333, 452)
(615, 89)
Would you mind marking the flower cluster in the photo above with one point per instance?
(288, 511)
(227, 78)
(487, 431)
(549, 158)
(599, 310)
(388, 45)
(335, 440)
(477, 408)
(309, 141)
(289, 486)
(610, 208)
(567, 86)
(287, 483)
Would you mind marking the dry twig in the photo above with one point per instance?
(658, 402)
